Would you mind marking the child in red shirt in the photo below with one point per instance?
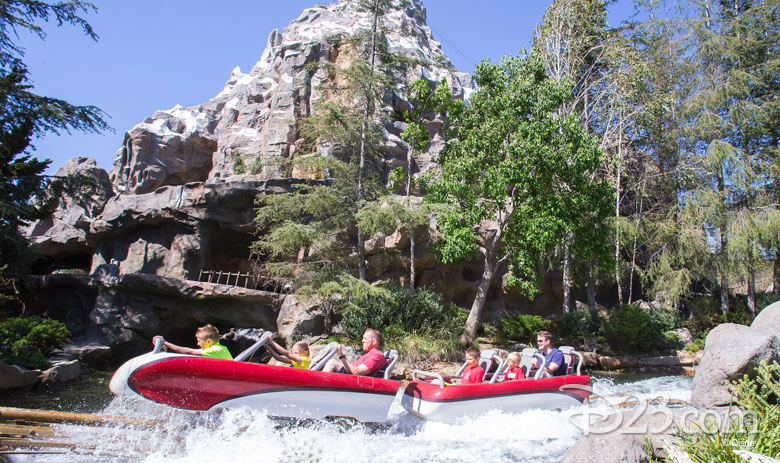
(513, 367)
(473, 373)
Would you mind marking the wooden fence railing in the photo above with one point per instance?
(244, 280)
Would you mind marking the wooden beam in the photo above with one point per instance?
(50, 416)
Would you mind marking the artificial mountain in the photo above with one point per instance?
(125, 266)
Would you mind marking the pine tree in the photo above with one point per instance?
(26, 193)
(319, 237)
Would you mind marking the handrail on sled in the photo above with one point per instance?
(428, 374)
(318, 362)
(158, 345)
(247, 354)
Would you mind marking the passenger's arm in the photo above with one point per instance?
(551, 368)
(182, 350)
(360, 370)
(275, 354)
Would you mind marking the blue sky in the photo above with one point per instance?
(154, 54)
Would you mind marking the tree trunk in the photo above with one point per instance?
(591, 291)
(751, 289)
(412, 272)
(724, 243)
(472, 323)
(617, 216)
(636, 235)
(566, 271)
(361, 251)
(361, 241)
(776, 273)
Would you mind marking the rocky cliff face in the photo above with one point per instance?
(177, 202)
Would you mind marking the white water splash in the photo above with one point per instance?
(241, 435)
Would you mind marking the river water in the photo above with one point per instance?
(247, 436)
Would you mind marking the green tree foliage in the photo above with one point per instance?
(304, 236)
(25, 192)
(514, 175)
(574, 43)
(25, 341)
(426, 104)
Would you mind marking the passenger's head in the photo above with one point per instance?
(372, 339)
(300, 348)
(207, 336)
(513, 360)
(544, 340)
(472, 356)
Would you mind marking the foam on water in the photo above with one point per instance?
(240, 435)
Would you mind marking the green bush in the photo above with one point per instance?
(520, 327)
(694, 346)
(400, 314)
(575, 327)
(705, 313)
(765, 299)
(630, 329)
(25, 341)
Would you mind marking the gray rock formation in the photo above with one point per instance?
(14, 377)
(768, 320)
(126, 310)
(731, 351)
(89, 354)
(63, 372)
(180, 196)
(622, 437)
(179, 200)
(302, 320)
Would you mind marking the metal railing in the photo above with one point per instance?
(245, 280)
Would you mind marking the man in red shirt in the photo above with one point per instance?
(365, 365)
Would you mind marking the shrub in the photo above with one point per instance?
(400, 314)
(25, 341)
(694, 346)
(578, 326)
(631, 329)
(520, 327)
(765, 299)
(705, 313)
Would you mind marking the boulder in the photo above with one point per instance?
(730, 351)
(616, 363)
(14, 377)
(684, 335)
(611, 448)
(63, 372)
(768, 320)
(302, 318)
(89, 354)
(590, 359)
(623, 435)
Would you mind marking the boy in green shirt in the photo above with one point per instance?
(207, 339)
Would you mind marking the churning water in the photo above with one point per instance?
(242, 435)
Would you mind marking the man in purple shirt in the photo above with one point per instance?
(555, 365)
(365, 365)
